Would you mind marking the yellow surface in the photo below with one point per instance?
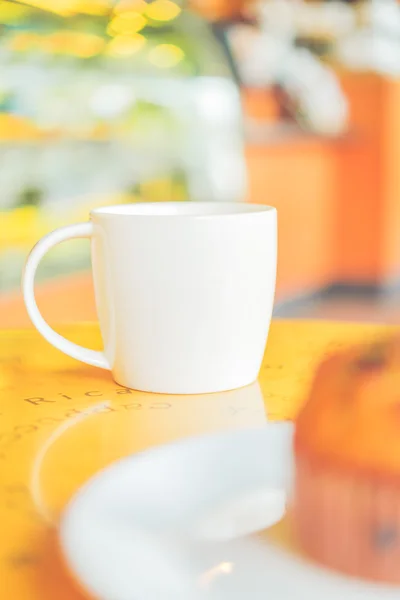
(61, 421)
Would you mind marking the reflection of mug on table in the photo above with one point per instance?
(95, 435)
(184, 293)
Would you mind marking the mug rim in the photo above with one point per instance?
(183, 209)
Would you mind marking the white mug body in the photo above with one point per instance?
(184, 293)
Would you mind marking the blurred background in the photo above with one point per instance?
(292, 103)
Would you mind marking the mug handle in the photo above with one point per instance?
(80, 230)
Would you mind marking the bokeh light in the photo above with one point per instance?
(85, 45)
(162, 10)
(166, 56)
(125, 45)
(24, 41)
(126, 23)
(73, 43)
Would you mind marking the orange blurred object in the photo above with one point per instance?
(338, 200)
(368, 239)
(348, 463)
(298, 176)
(260, 104)
(216, 10)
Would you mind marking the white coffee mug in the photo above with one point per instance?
(184, 293)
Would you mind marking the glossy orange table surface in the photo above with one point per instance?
(61, 421)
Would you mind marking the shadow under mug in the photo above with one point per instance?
(184, 293)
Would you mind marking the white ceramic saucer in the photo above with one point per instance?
(178, 523)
